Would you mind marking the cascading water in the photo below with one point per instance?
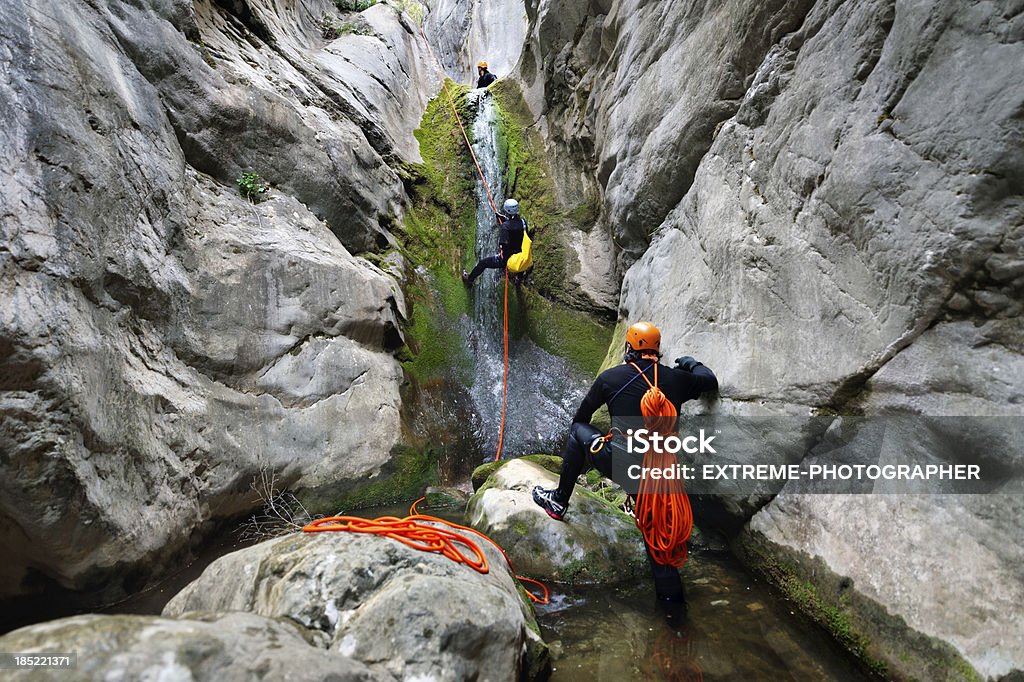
(543, 390)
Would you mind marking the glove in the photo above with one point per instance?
(687, 363)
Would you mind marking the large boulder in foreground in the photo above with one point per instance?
(595, 543)
(406, 614)
(209, 647)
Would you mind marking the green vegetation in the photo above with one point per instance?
(438, 231)
(252, 187)
(565, 332)
(412, 8)
(331, 28)
(354, 5)
(529, 178)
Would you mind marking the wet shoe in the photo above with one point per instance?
(466, 280)
(549, 501)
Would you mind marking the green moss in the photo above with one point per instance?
(484, 471)
(520, 528)
(585, 570)
(528, 176)
(786, 577)
(407, 473)
(567, 333)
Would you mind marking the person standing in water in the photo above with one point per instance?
(627, 390)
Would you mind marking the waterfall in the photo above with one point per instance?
(543, 390)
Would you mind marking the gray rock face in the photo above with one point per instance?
(206, 648)
(595, 543)
(404, 613)
(466, 32)
(162, 340)
(950, 566)
(834, 195)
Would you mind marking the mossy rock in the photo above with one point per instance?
(596, 543)
(484, 471)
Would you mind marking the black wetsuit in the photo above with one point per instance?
(486, 79)
(510, 242)
(622, 388)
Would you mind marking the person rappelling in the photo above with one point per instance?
(514, 245)
(485, 77)
(641, 393)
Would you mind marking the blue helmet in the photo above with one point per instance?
(511, 206)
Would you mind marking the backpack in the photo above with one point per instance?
(522, 261)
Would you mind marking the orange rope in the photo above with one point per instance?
(458, 119)
(490, 198)
(663, 512)
(416, 531)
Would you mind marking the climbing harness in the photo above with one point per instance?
(490, 198)
(663, 512)
(421, 532)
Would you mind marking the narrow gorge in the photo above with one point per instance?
(232, 234)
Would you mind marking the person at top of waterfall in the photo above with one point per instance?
(622, 389)
(511, 227)
(485, 77)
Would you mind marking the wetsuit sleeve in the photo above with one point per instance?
(594, 399)
(701, 380)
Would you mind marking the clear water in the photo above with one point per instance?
(734, 628)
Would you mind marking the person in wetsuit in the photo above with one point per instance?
(511, 228)
(621, 388)
(485, 77)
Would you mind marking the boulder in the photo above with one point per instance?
(596, 542)
(402, 612)
(207, 647)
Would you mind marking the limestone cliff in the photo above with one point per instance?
(822, 201)
(163, 340)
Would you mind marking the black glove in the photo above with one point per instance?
(687, 363)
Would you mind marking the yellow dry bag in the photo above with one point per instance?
(522, 261)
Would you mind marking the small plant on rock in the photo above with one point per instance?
(252, 187)
(354, 5)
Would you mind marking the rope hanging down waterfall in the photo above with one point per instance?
(490, 198)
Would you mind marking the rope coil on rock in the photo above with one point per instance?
(427, 534)
(663, 512)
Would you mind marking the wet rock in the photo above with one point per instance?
(891, 570)
(595, 543)
(402, 612)
(207, 647)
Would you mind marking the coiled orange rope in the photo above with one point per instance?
(663, 512)
(421, 532)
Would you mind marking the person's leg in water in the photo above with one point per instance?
(668, 589)
(576, 457)
(495, 261)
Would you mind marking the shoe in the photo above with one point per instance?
(549, 501)
(466, 279)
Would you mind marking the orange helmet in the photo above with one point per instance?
(481, 64)
(643, 337)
